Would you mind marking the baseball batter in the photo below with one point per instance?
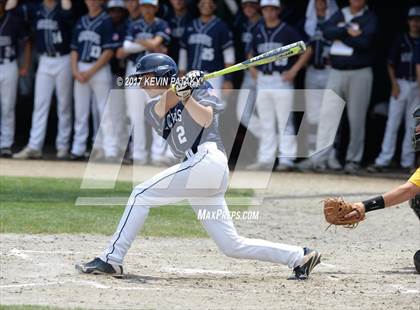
(207, 45)
(51, 22)
(186, 119)
(12, 32)
(146, 34)
(92, 48)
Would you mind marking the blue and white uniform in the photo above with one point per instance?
(52, 31)
(275, 96)
(245, 104)
(202, 179)
(203, 47)
(136, 98)
(178, 25)
(12, 31)
(91, 37)
(402, 57)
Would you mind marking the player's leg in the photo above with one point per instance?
(8, 90)
(223, 232)
(413, 101)
(265, 108)
(245, 105)
(101, 83)
(64, 107)
(45, 82)
(395, 115)
(283, 107)
(82, 96)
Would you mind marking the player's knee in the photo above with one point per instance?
(231, 247)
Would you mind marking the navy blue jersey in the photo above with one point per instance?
(12, 31)
(402, 56)
(266, 39)
(320, 46)
(92, 36)
(243, 29)
(140, 30)
(177, 25)
(52, 29)
(118, 65)
(417, 54)
(180, 130)
(205, 44)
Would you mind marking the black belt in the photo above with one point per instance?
(5, 61)
(350, 67)
(55, 54)
(410, 79)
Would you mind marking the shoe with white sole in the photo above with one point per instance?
(98, 266)
(62, 154)
(28, 153)
(311, 258)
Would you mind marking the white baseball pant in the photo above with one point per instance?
(98, 87)
(9, 76)
(136, 99)
(274, 106)
(202, 179)
(400, 108)
(314, 79)
(54, 73)
(245, 105)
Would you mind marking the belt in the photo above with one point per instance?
(5, 61)
(350, 67)
(56, 54)
(410, 79)
(204, 146)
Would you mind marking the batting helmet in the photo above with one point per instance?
(160, 64)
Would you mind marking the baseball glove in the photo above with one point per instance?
(336, 209)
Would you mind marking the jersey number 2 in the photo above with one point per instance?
(181, 134)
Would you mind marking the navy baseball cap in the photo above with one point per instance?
(414, 12)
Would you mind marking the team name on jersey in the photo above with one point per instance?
(268, 46)
(89, 35)
(246, 37)
(47, 24)
(407, 57)
(178, 32)
(5, 41)
(144, 36)
(172, 118)
(200, 38)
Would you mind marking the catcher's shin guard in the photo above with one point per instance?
(415, 205)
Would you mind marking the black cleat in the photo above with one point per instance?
(311, 258)
(98, 266)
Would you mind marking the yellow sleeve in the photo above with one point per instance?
(415, 178)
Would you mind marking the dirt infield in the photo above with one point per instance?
(367, 268)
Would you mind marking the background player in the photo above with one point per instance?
(52, 23)
(146, 34)
(274, 86)
(404, 95)
(207, 45)
(244, 26)
(189, 124)
(12, 33)
(92, 49)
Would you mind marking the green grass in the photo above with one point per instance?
(47, 205)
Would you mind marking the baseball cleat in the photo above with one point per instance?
(98, 266)
(311, 258)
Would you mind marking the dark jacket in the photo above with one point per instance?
(363, 45)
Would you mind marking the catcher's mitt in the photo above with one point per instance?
(335, 210)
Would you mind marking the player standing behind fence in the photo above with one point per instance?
(146, 34)
(207, 45)
(275, 90)
(51, 23)
(118, 13)
(92, 48)
(404, 97)
(178, 21)
(353, 30)
(12, 32)
(244, 25)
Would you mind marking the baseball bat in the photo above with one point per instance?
(262, 59)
